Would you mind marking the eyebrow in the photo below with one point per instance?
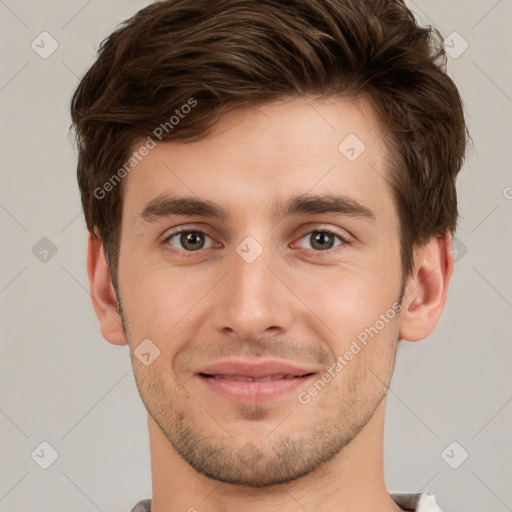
(310, 204)
(305, 204)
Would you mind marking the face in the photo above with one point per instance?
(260, 270)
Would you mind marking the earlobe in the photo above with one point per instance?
(103, 295)
(426, 289)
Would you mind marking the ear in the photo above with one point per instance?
(426, 289)
(103, 295)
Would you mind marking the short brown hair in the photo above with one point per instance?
(233, 53)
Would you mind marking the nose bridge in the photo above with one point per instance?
(253, 300)
(251, 277)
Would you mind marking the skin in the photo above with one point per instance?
(295, 302)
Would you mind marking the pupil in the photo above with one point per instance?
(322, 240)
(190, 240)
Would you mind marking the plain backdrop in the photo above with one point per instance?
(449, 407)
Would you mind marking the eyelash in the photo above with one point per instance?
(182, 252)
(343, 239)
(169, 247)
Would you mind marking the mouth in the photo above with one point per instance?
(240, 378)
(254, 383)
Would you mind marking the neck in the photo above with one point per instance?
(352, 481)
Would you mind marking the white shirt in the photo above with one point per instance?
(424, 502)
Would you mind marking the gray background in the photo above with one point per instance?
(60, 382)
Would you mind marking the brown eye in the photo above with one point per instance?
(321, 240)
(188, 240)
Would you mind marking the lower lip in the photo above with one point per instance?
(254, 391)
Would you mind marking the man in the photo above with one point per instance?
(270, 193)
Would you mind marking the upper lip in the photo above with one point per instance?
(266, 368)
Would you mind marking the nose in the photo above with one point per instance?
(253, 301)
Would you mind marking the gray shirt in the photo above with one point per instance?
(423, 502)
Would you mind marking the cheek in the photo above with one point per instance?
(159, 301)
(143, 300)
(349, 298)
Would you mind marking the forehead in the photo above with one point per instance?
(258, 157)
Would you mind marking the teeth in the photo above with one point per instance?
(254, 379)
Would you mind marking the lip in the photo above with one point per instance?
(280, 378)
(260, 369)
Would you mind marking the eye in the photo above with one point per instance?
(188, 240)
(322, 240)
